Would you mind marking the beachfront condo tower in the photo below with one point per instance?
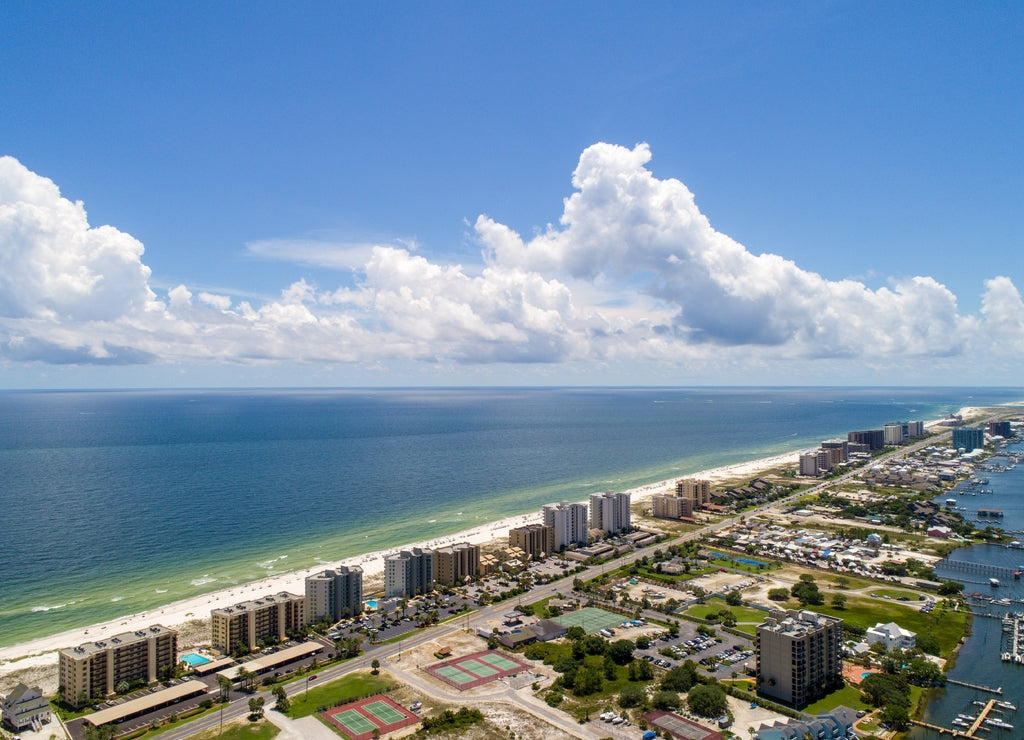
(568, 523)
(799, 656)
(93, 670)
(334, 594)
(455, 563)
(245, 625)
(408, 573)
(609, 512)
(533, 539)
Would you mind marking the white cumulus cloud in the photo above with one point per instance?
(632, 272)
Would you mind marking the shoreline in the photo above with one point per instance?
(43, 651)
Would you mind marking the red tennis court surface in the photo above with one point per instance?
(680, 727)
(357, 720)
(476, 669)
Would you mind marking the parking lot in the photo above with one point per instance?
(719, 655)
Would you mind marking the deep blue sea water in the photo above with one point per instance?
(114, 503)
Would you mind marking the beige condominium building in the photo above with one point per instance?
(94, 669)
(799, 656)
(534, 540)
(269, 618)
(453, 564)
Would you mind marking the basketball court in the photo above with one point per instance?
(358, 720)
(476, 669)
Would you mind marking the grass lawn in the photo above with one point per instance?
(947, 625)
(848, 696)
(332, 694)
(262, 730)
(713, 606)
(893, 593)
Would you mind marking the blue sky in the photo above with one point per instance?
(531, 193)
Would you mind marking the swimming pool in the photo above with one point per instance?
(193, 659)
(372, 603)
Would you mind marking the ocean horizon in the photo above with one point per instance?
(119, 502)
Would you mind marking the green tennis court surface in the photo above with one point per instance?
(477, 669)
(590, 618)
(384, 712)
(355, 722)
(454, 674)
(502, 664)
(475, 666)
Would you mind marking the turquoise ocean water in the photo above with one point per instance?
(115, 503)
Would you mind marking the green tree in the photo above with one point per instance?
(375, 665)
(838, 601)
(610, 669)
(707, 700)
(256, 707)
(894, 716)
(666, 700)
(734, 598)
(224, 683)
(631, 696)
(778, 594)
(621, 651)
(588, 681)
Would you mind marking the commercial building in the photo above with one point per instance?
(408, 573)
(695, 489)
(799, 656)
(455, 563)
(535, 540)
(609, 512)
(25, 708)
(968, 438)
(568, 522)
(271, 618)
(334, 594)
(93, 670)
(670, 506)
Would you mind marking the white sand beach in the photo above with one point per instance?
(42, 652)
(38, 658)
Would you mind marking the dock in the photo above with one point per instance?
(989, 689)
(971, 732)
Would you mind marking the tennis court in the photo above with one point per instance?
(590, 618)
(384, 712)
(474, 670)
(359, 720)
(680, 727)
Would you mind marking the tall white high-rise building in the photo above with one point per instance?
(568, 522)
(609, 511)
(409, 573)
(335, 594)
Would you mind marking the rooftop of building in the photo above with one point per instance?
(256, 604)
(119, 640)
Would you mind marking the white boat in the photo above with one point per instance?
(1006, 705)
(994, 582)
(993, 722)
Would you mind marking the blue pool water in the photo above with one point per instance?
(372, 603)
(193, 660)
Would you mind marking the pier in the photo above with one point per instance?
(971, 731)
(980, 568)
(989, 689)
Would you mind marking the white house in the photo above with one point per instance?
(891, 635)
(25, 708)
